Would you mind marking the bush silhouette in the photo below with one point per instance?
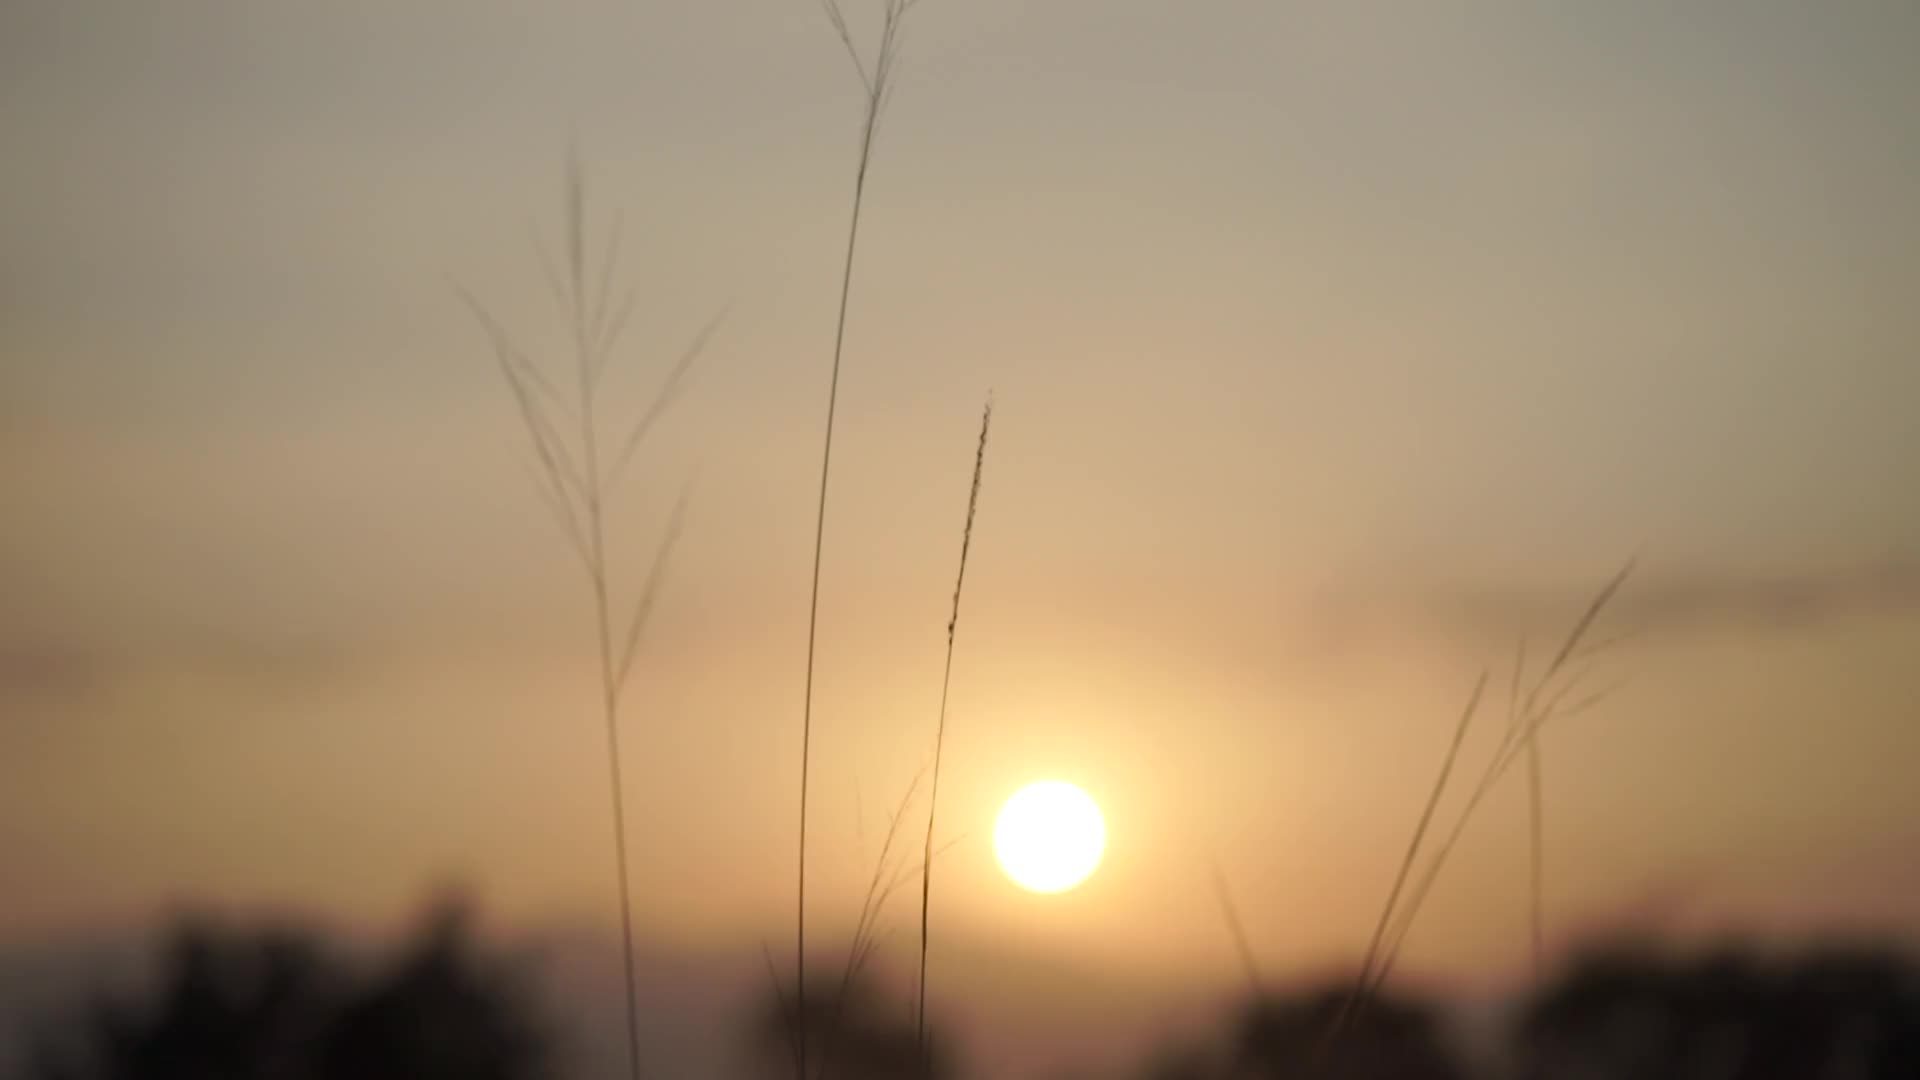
(1390, 1038)
(1629, 1012)
(274, 1005)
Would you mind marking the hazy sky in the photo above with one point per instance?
(1335, 347)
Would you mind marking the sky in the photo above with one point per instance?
(1335, 348)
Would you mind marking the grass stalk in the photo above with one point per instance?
(1371, 960)
(576, 480)
(1551, 697)
(876, 80)
(940, 736)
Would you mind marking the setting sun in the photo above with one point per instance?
(1049, 837)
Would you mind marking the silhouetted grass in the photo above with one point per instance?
(1547, 700)
(575, 478)
(876, 79)
(940, 729)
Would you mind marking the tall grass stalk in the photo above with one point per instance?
(876, 79)
(940, 733)
(1570, 650)
(1371, 961)
(576, 470)
(1551, 697)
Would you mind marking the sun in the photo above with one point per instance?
(1049, 837)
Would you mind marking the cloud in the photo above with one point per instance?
(49, 670)
(1781, 602)
(1653, 601)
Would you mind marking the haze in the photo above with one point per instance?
(1335, 348)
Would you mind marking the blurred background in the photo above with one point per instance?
(1335, 351)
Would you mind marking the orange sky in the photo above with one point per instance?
(1333, 353)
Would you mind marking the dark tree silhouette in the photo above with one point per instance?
(227, 1004)
(1630, 1012)
(273, 1005)
(441, 1011)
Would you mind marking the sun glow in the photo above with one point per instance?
(1049, 837)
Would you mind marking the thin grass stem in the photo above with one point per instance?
(574, 479)
(940, 736)
(874, 80)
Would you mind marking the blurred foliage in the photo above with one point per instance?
(273, 1005)
(853, 1032)
(232, 1004)
(1618, 1011)
(1385, 1038)
(1635, 1012)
